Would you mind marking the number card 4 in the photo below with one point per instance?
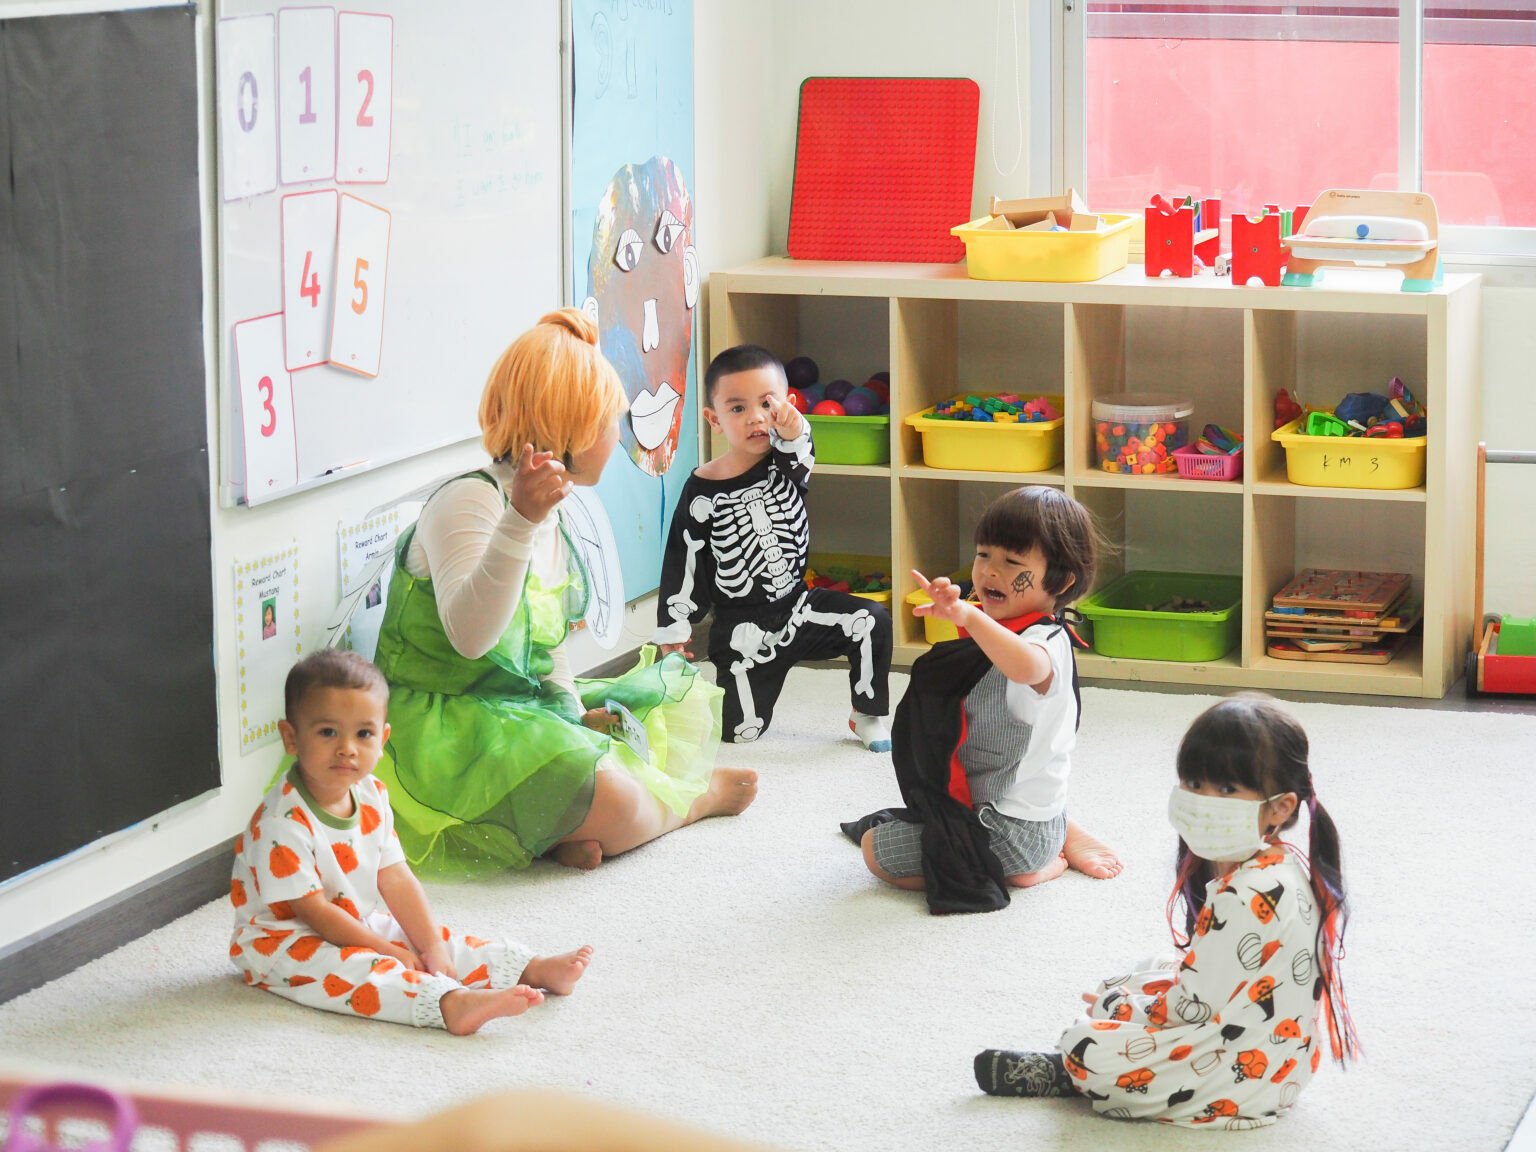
(266, 408)
(247, 89)
(362, 266)
(306, 62)
(366, 49)
(309, 276)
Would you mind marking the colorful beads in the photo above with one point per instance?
(1139, 448)
(1005, 408)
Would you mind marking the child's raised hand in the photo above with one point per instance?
(668, 649)
(944, 593)
(540, 484)
(785, 418)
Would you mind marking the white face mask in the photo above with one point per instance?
(1217, 827)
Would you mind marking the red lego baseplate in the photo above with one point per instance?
(883, 168)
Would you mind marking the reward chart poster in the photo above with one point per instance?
(634, 267)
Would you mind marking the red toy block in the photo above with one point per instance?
(1256, 250)
(1175, 236)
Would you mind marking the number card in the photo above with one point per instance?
(309, 276)
(362, 267)
(266, 408)
(306, 62)
(362, 546)
(267, 640)
(365, 114)
(247, 88)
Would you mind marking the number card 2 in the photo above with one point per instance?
(309, 276)
(362, 269)
(306, 65)
(365, 116)
(266, 408)
(247, 88)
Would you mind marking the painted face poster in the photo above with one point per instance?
(635, 267)
(268, 639)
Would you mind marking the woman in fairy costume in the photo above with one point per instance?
(498, 754)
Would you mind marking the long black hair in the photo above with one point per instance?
(1249, 741)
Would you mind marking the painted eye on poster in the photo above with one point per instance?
(627, 255)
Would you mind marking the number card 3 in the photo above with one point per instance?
(362, 266)
(366, 48)
(266, 408)
(306, 63)
(309, 276)
(247, 89)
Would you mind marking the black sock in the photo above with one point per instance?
(1000, 1072)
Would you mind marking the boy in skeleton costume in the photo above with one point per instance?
(738, 544)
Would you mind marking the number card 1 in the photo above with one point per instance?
(306, 63)
(266, 408)
(309, 276)
(247, 89)
(362, 268)
(365, 116)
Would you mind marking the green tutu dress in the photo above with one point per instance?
(488, 765)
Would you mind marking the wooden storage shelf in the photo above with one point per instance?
(1231, 348)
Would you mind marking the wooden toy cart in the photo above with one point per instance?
(1488, 672)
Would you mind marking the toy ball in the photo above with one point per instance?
(813, 394)
(801, 371)
(796, 400)
(861, 402)
(879, 387)
(837, 390)
(829, 408)
(882, 376)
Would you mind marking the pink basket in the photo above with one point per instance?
(1194, 464)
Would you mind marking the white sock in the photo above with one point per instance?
(874, 732)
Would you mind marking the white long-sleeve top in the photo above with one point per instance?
(477, 550)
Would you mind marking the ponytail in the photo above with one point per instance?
(1333, 917)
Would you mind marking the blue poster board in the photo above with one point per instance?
(633, 259)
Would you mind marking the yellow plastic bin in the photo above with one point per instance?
(1056, 257)
(855, 569)
(982, 446)
(1351, 461)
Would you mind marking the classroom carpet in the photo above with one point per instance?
(750, 977)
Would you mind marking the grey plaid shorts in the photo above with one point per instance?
(1022, 846)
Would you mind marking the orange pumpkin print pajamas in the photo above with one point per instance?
(293, 847)
(1226, 1036)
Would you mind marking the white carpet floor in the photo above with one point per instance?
(751, 977)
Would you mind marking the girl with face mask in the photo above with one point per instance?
(1227, 1034)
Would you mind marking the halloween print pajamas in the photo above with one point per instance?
(292, 848)
(1225, 1037)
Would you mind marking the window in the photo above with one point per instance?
(1269, 103)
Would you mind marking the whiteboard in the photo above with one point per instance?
(472, 188)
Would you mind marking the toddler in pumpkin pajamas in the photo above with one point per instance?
(328, 912)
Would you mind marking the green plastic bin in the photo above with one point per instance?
(1127, 624)
(851, 439)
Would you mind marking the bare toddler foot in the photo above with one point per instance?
(731, 792)
(1089, 855)
(1029, 879)
(467, 1010)
(558, 974)
(583, 854)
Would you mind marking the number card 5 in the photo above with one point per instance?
(362, 268)
(365, 48)
(266, 408)
(309, 276)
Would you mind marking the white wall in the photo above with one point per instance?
(750, 60)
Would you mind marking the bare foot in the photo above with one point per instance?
(731, 792)
(1029, 879)
(1089, 855)
(558, 974)
(583, 854)
(466, 1010)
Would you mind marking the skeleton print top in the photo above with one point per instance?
(738, 544)
(1229, 1037)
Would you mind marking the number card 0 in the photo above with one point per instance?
(306, 62)
(247, 88)
(309, 276)
(365, 117)
(266, 408)
(362, 268)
